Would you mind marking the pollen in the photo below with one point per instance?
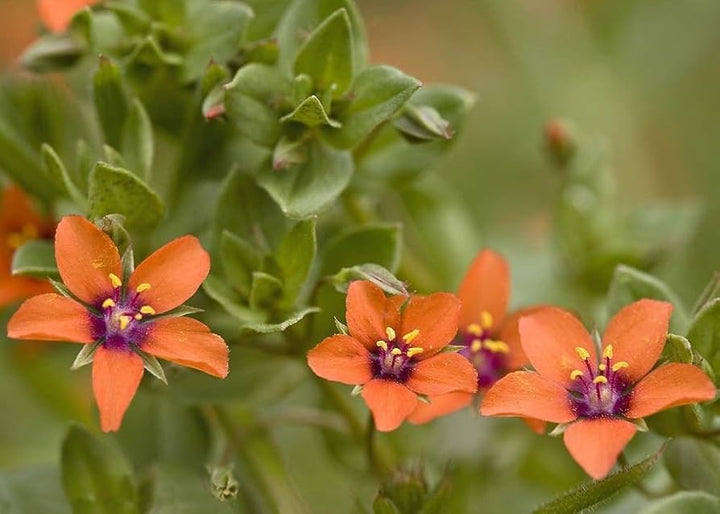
(396, 351)
(497, 346)
(486, 320)
(415, 350)
(620, 365)
(390, 333)
(138, 316)
(382, 345)
(115, 280)
(600, 379)
(608, 352)
(124, 322)
(108, 303)
(410, 336)
(474, 329)
(146, 309)
(602, 367)
(476, 345)
(143, 287)
(575, 374)
(582, 352)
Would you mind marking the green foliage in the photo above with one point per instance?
(704, 333)
(35, 489)
(111, 100)
(694, 464)
(36, 258)
(679, 503)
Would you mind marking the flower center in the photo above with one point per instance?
(15, 240)
(120, 322)
(599, 391)
(393, 359)
(488, 356)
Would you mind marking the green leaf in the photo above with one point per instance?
(18, 160)
(240, 259)
(265, 291)
(150, 54)
(111, 100)
(280, 326)
(53, 52)
(229, 300)
(311, 113)
(422, 123)
(694, 464)
(36, 258)
(132, 19)
(378, 244)
(115, 190)
(593, 493)
(307, 189)
(629, 285)
(57, 174)
(172, 12)
(377, 94)
(383, 505)
(295, 256)
(704, 333)
(253, 102)
(684, 503)
(216, 33)
(678, 349)
(327, 55)
(31, 490)
(289, 152)
(376, 274)
(138, 141)
(184, 490)
(114, 157)
(96, 476)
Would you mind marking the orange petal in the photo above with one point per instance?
(667, 386)
(389, 402)
(443, 373)
(174, 272)
(187, 342)
(536, 425)
(16, 210)
(57, 13)
(369, 312)
(485, 287)
(341, 358)
(510, 333)
(85, 257)
(440, 405)
(549, 337)
(13, 289)
(51, 317)
(116, 376)
(637, 333)
(529, 395)
(596, 443)
(435, 317)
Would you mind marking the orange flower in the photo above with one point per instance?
(395, 355)
(57, 13)
(599, 399)
(19, 223)
(123, 314)
(489, 337)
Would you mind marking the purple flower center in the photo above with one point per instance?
(602, 390)
(488, 356)
(393, 359)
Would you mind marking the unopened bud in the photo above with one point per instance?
(560, 141)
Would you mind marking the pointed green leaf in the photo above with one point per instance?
(229, 300)
(265, 291)
(295, 256)
(53, 52)
(683, 503)
(376, 274)
(57, 173)
(111, 100)
(115, 190)
(419, 123)
(694, 464)
(36, 258)
(310, 113)
(240, 259)
(279, 326)
(86, 355)
(704, 333)
(138, 141)
(378, 244)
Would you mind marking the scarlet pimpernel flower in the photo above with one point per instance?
(488, 335)
(394, 350)
(121, 315)
(599, 400)
(20, 222)
(57, 13)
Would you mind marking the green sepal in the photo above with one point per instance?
(559, 430)
(357, 390)
(178, 312)
(85, 355)
(111, 100)
(452, 348)
(58, 175)
(53, 52)
(151, 364)
(678, 349)
(61, 288)
(265, 291)
(423, 398)
(311, 113)
(286, 321)
(295, 257)
(138, 141)
(342, 327)
(289, 152)
(639, 424)
(375, 273)
(420, 123)
(36, 258)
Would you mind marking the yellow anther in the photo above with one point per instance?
(575, 373)
(115, 280)
(582, 352)
(396, 351)
(413, 351)
(474, 329)
(108, 303)
(382, 345)
(497, 346)
(146, 309)
(486, 320)
(600, 379)
(143, 287)
(390, 333)
(608, 352)
(602, 367)
(124, 322)
(476, 345)
(138, 316)
(410, 336)
(620, 365)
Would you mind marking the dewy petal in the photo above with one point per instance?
(116, 376)
(187, 342)
(549, 337)
(57, 13)
(85, 258)
(510, 333)
(440, 405)
(435, 317)
(51, 317)
(342, 359)
(174, 272)
(369, 312)
(485, 287)
(389, 402)
(529, 395)
(443, 373)
(596, 443)
(668, 386)
(637, 333)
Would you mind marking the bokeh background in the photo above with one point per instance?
(639, 77)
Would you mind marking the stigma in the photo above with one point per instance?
(393, 358)
(599, 390)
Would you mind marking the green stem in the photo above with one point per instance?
(375, 462)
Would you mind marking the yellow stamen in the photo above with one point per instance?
(608, 352)
(410, 336)
(146, 309)
(575, 373)
(602, 367)
(476, 345)
(474, 329)
(124, 322)
(600, 379)
(108, 303)
(582, 352)
(486, 320)
(115, 280)
(382, 345)
(497, 346)
(619, 365)
(16, 239)
(143, 287)
(396, 351)
(390, 334)
(413, 351)
(138, 316)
